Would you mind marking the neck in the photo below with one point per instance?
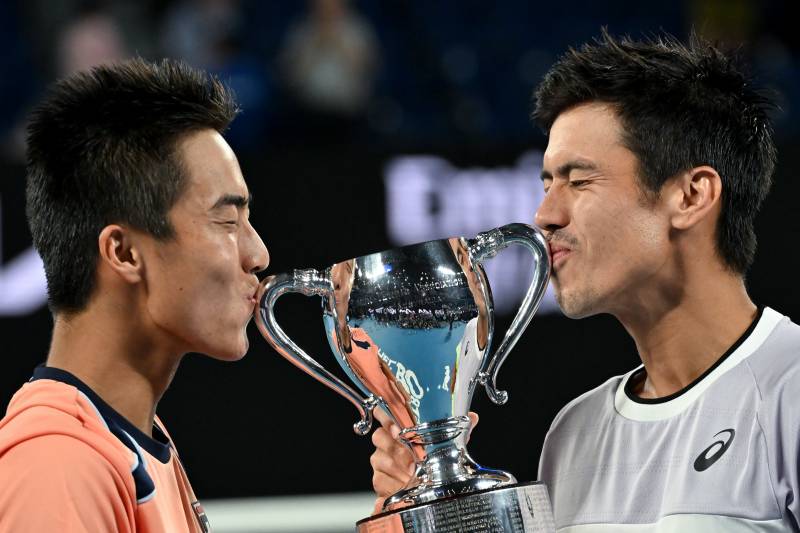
(112, 354)
(681, 335)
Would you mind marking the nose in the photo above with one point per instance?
(553, 212)
(255, 254)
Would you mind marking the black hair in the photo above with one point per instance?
(681, 106)
(102, 149)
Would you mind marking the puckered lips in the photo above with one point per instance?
(559, 254)
(252, 295)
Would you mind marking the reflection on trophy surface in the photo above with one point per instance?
(471, 347)
(411, 328)
(362, 354)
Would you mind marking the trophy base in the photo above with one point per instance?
(519, 508)
(477, 479)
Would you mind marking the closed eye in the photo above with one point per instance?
(578, 183)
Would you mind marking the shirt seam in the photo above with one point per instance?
(764, 437)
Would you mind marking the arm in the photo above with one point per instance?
(59, 483)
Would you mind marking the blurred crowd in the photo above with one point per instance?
(404, 72)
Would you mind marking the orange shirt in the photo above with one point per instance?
(70, 463)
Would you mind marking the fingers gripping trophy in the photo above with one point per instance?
(412, 328)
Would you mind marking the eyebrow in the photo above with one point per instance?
(233, 199)
(568, 167)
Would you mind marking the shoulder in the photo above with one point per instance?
(775, 365)
(584, 414)
(44, 408)
(60, 478)
(56, 456)
(586, 409)
(53, 423)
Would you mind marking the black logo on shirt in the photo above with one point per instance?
(707, 458)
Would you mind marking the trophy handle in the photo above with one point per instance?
(485, 246)
(309, 283)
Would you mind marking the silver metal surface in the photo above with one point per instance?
(310, 283)
(412, 327)
(523, 508)
(485, 246)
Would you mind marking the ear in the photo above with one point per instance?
(119, 254)
(693, 196)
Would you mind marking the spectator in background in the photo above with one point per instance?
(252, 84)
(193, 30)
(91, 39)
(329, 60)
(208, 34)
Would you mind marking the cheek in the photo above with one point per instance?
(623, 235)
(603, 230)
(638, 245)
(207, 316)
(212, 265)
(176, 298)
(193, 290)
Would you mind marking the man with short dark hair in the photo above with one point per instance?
(658, 159)
(140, 212)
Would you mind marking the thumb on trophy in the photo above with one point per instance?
(378, 505)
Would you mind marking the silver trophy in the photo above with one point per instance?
(412, 327)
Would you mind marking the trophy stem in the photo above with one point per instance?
(444, 467)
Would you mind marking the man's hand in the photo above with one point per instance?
(392, 462)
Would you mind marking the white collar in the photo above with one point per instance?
(646, 412)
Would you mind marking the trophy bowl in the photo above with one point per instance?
(411, 327)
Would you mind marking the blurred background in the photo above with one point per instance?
(366, 125)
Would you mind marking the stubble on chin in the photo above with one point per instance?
(577, 303)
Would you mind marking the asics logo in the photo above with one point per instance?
(711, 455)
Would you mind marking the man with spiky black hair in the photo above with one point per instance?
(659, 156)
(139, 211)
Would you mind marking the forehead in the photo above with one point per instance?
(211, 168)
(589, 131)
